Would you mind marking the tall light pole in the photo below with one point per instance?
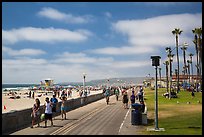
(155, 62)
(84, 77)
(191, 61)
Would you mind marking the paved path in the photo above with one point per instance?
(96, 118)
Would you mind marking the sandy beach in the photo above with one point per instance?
(25, 102)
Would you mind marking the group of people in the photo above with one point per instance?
(50, 107)
(137, 94)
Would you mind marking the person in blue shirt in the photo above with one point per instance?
(107, 94)
(54, 102)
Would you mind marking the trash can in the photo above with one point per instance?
(136, 115)
(137, 106)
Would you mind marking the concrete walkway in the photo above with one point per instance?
(90, 113)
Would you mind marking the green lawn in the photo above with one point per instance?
(175, 115)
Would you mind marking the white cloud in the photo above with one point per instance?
(77, 58)
(66, 67)
(156, 31)
(125, 50)
(22, 52)
(48, 35)
(148, 35)
(60, 16)
(130, 64)
(27, 70)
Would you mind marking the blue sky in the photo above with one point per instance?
(61, 40)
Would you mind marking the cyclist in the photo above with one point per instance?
(107, 94)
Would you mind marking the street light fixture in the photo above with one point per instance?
(84, 77)
(155, 62)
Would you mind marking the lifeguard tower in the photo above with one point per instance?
(49, 82)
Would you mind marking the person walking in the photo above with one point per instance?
(63, 110)
(132, 98)
(54, 103)
(125, 100)
(36, 113)
(107, 94)
(33, 95)
(141, 94)
(116, 93)
(48, 111)
(30, 94)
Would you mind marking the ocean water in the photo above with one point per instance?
(17, 86)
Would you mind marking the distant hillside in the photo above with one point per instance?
(133, 80)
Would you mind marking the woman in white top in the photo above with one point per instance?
(48, 111)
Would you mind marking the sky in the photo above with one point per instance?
(63, 40)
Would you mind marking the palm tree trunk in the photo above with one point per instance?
(197, 69)
(185, 70)
(200, 60)
(177, 63)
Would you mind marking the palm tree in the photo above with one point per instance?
(197, 68)
(198, 33)
(177, 32)
(166, 63)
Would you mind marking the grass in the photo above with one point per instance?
(175, 115)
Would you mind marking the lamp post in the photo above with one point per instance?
(155, 62)
(184, 48)
(191, 61)
(84, 77)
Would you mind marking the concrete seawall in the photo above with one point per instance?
(17, 120)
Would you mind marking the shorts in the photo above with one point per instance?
(62, 108)
(48, 116)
